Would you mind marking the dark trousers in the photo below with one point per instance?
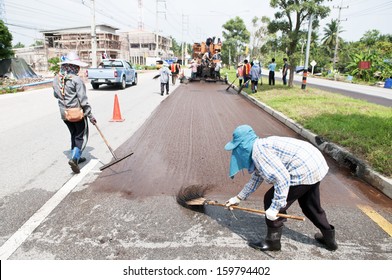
(284, 78)
(174, 78)
(246, 78)
(254, 84)
(308, 197)
(271, 78)
(163, 85)
(77, 130)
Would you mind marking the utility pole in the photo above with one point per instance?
(93, 36)
(302, 52)
(158, 11)
(303, 86)
(335, 56)
(140, 23)
(140, 27)
(184, 29)
(129, 48)
(230, 57)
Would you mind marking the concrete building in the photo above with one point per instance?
(60, 42)
(137, 46)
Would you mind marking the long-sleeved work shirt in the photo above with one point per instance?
(74, 94)
(255, 73)
(284, 162)
(165, 75)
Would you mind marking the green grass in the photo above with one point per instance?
(363, 128)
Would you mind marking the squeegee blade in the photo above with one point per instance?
(114, 162)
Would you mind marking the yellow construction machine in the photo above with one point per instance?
(207, 59)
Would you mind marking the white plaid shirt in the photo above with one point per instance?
(284, 162)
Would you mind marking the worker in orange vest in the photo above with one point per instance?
(246, 72)
(175, 70)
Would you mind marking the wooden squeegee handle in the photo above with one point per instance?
(106, 142)
(257, 211)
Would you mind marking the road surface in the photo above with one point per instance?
(129, 212)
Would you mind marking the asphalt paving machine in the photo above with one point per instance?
(207, 56)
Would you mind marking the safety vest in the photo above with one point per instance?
(247, 69)
(174, 68)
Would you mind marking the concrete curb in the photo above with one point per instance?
(33, 84)
(339, 154)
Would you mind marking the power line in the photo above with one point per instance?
(185, 26)
(140, 24)
(22, 26)
(371, 10)
(2, 11)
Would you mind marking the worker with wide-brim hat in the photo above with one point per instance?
(70, 91)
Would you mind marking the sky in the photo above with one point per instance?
(182, 19)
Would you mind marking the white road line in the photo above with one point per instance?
(13, 243)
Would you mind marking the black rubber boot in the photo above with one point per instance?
(327, 238)
(271, 242)
(74, 165)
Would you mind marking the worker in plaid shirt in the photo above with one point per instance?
(294, 167)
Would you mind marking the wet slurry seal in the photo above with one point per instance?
(182, 144)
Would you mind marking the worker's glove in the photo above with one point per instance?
(233, 201)
(271, 214)
(92, 119)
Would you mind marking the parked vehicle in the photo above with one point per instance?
(316, 69)
(117, 72)
(159, 64)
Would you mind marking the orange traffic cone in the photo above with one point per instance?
(116, 111)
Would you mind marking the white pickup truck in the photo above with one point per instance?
(116, 72)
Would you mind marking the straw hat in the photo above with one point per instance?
(73, 58)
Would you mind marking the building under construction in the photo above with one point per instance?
(134, 46)
(138, 45)
(78, 39)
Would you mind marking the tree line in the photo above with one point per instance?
(285, 35)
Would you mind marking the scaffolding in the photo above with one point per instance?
(138, 45)
(134, 46)
(60, 42)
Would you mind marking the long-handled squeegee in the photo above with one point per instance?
(116, 159)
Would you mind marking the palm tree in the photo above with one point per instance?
(329, 39)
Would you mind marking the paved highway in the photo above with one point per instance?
(373, 94)
(129, 212)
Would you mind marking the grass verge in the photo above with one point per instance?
(363, 128)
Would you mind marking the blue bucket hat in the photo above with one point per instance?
(241, 147)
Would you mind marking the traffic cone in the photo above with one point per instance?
(116, 111)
